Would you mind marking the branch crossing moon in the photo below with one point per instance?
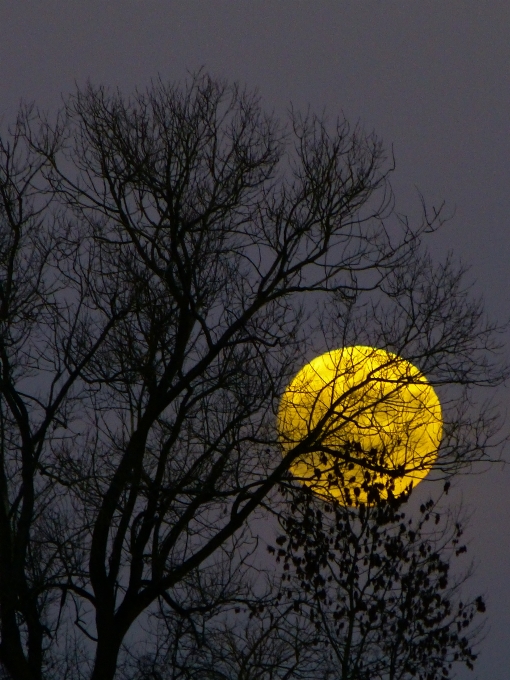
(362, 417)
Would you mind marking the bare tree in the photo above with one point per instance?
(167, 263)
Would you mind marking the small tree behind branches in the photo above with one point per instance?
(379, 588)
(167, 263)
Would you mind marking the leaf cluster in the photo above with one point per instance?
(380, 589)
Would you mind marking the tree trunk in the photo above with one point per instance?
(107, 652)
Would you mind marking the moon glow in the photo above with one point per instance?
(360, 409)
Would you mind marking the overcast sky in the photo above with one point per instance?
(431, 78)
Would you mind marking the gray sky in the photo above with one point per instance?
(431, 78)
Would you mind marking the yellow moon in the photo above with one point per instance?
(373, 408)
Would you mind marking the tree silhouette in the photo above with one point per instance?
(380, 592)
(167, 263)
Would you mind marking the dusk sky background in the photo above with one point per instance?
(430, 78)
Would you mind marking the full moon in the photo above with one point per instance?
(360, 410)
